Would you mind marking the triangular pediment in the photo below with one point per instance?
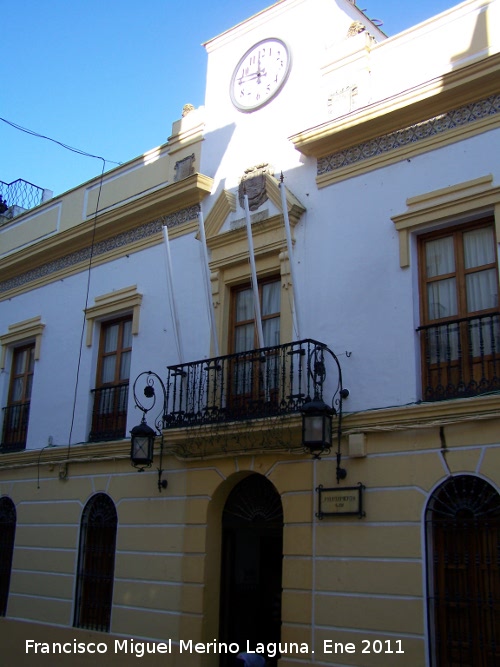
(226, 204)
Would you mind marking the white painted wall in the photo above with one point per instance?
(354, 295)
(61, 307)
(237, 140)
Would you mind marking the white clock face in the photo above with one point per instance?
(260, 74)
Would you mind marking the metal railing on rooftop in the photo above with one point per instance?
(20, 194)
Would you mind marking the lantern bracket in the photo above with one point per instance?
(151, 380)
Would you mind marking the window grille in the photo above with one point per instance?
(96, 564)
(463, 537)
(7, 536)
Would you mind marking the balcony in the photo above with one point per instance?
(461, 358)
(19, 196)
(15, 427)
(109, 414)
(266, 382)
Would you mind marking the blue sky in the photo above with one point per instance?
(109, 77)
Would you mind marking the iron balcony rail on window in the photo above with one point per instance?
(265, 382)
(461, 357)
(15, 427)
(109, 414)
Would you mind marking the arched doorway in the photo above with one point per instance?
(463, 562)
(251, 565)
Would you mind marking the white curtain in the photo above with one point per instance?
(111, 338)
(271, 298)
(24, 361)
(110, 345)
(481, 286)
(441, 294)
(244, 305)
(125, 358)
(481, 291)
(442, 298)
(479, 247)
(440, 257)
(244, 334)
(271, 295)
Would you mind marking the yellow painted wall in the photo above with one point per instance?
(345, 579)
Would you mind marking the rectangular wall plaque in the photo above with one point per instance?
(340, 501)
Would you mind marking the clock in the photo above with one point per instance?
(260, 74)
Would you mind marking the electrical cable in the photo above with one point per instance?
(55, 141)
(89, 270)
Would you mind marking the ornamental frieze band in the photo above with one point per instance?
(85, 254)
(469, 113)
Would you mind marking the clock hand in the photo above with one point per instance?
(250, 77)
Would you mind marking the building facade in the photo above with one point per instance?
(322, 233)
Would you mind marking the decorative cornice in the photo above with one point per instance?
(64, 455)
(407, 417)
(231, 247)
(295, 208)
(423, 415)
(478, 196)
(112, 303)
(120, 241)
(31, 329)
(224, 205)
(461, 87)
(413, 134)
(175, 202)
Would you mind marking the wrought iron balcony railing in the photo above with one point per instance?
(259, 383)
(461, 357)
(109, 414)
(15, 427)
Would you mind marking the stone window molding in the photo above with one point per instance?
(229, 262)
(124, 300)
(22, 332)
(456, 203)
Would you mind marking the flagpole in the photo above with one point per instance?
(255, 286)
(295, 310)
(208, 283)
(171, 297)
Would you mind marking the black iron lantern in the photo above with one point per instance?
(142, 442)
(143, 436)
(317, 416)
(317, 426)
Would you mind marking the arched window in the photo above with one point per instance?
(7, 535)
(463, 552)
(96, 564)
